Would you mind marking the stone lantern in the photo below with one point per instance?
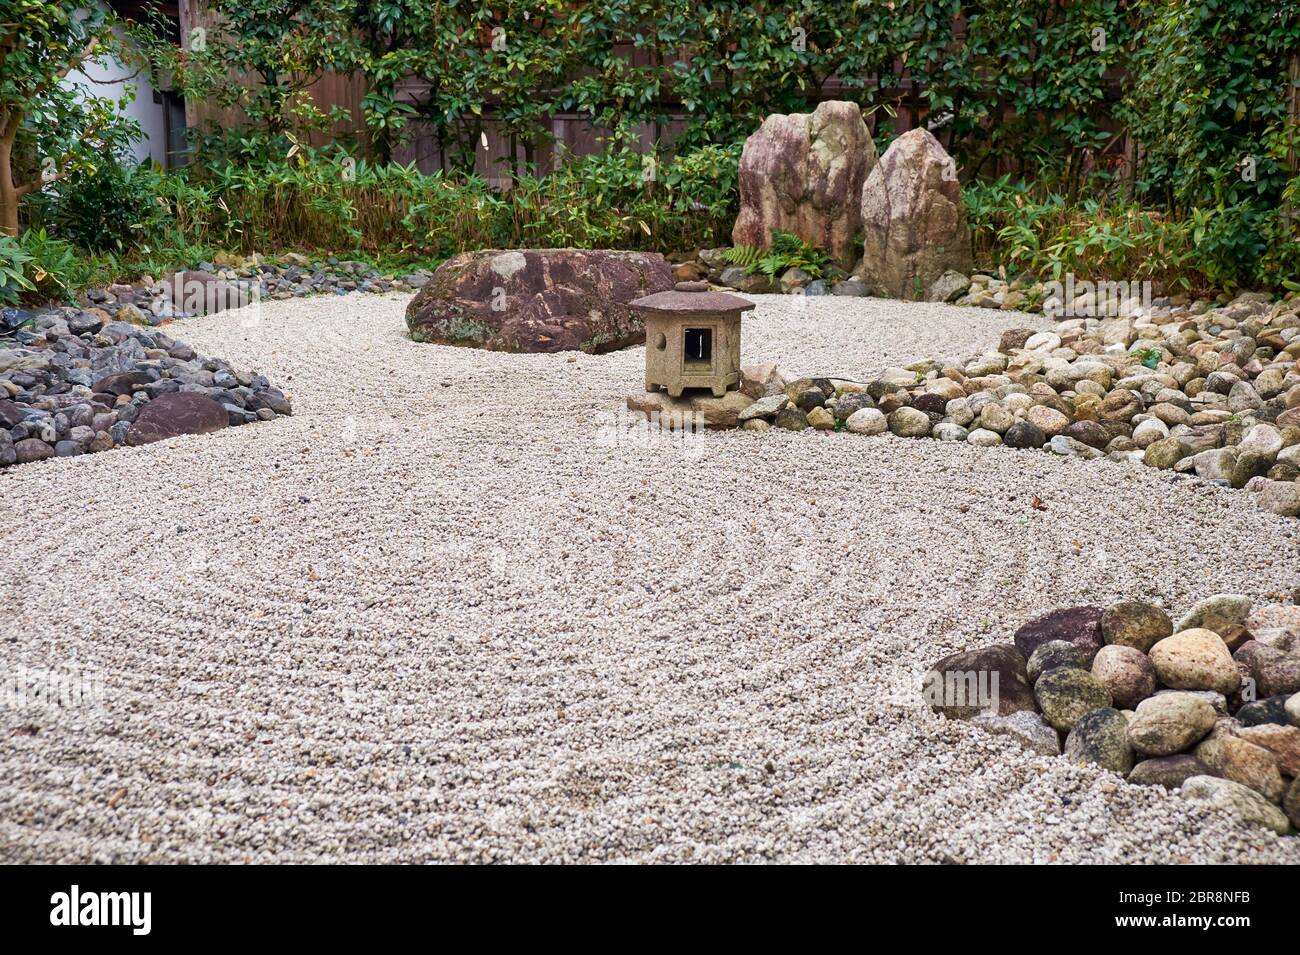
(692, 338)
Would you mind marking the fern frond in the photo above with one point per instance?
(742, 255)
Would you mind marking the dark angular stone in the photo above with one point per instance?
(1024, 434)
(85, 323)
(10, 413)
(930, 403)
(991, 678)
(276, 401)
(810, 398)
(174, 414)
(1078, 625)
(123, 383)
(879, 388)
(32, 449)
(790, 418)
(1268, 710)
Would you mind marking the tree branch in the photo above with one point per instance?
(28, 188)
(73, 63)
(116, 79)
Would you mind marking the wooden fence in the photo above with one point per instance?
(573, 134)
(329, 91)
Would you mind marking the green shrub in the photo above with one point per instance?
(1028, 230)
(328, 200)
(624, 199)
(54, 268)
(1208, 101)
(742, 255)
(111, 205)
(36, 268)
(13, 265)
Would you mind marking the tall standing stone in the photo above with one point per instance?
(913, 218)
(803, 173)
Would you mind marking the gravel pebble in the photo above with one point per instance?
(456, 609)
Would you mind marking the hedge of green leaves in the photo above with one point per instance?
(1045, 89)
(1025, 80)
(1153, 136)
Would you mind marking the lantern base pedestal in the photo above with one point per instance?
(712, 385)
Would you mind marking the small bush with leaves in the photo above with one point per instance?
(13, 265)
(38, 269)
(602, 201)
(113, 205)
(53, 267)
(1045, 234)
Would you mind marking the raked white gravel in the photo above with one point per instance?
(454, 609)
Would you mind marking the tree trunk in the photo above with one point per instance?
(8, 191)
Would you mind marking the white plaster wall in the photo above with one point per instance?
(109, 78)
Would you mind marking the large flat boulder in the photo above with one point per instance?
(176, 413)
(202, 293)
(803, 173)
(913, 218)
(537, 300)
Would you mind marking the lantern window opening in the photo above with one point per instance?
(697, 351)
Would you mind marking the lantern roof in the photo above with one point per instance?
(692, 297)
